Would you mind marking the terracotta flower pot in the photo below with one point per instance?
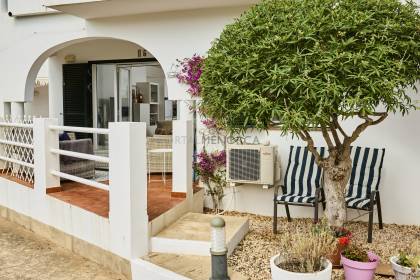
(354, 270)
(335, 256)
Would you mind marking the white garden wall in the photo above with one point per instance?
(58, 214)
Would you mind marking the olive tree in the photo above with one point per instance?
(314, 64)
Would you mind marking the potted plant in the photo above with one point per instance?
(343, 237)
(406, 265)
(303, 256)
(358, 263)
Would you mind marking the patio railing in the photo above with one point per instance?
(34, 148)
(16, 148)
(79, 155)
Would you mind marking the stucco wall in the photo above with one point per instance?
(26, 43)
(39, 105)
(29, 41)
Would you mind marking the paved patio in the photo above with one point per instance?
(25, 256)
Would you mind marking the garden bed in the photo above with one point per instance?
(252, 256)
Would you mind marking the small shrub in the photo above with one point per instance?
(411, 258)
(211, 168)
(356, 253)
(306, 252)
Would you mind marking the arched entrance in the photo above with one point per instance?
(93, 81)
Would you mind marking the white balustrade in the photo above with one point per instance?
(84, 156)
(16, 147)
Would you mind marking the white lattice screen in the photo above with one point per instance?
(16, 147)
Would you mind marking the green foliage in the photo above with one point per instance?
(411, 257)
(403, 259)
(355, 253)
(306, 62)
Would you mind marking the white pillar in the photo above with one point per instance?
(17, 110)
(185, 109)
(55, 88)
(7, 109)
(128, 190)
(182, 158)
(201, 132)
(45, 139)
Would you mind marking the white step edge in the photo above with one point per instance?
(194, 247)
(142, 270)
(237, 237)
(179, 246)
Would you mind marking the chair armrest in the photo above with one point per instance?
(373, 194)
(276, 189)
(372, 199)
(318, 193)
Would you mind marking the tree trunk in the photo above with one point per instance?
(336, 175)
(216, 206)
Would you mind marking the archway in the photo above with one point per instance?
(101, 56)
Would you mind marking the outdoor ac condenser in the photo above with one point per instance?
(251, 164)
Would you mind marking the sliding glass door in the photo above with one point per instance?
(124, 94)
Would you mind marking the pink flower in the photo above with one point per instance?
(209, 123)
(207, 164)
(190, 73)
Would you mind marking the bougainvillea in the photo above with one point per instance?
(190, 70)
(209, 123)
(211, 167)
(208, 164)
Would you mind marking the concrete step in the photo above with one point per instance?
(188, 266)
(190, 235)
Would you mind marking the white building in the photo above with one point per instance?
(81, 62)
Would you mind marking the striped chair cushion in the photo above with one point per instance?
(365, 175)
(302, 176)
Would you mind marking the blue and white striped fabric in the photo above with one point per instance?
(302, 177)
(365, 175)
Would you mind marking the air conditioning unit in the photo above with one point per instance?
(251, 164)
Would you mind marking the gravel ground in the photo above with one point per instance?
(25, 256)
(251, 257)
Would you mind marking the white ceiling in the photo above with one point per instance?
(90, 9)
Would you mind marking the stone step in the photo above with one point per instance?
(189, 266)
(190, 235)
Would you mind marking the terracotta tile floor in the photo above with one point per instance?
(97, 200)
(14, 179)
(86, 197)
(159, 196)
